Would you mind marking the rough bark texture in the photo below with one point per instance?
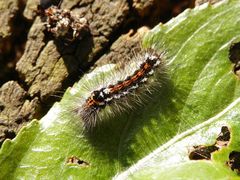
(45, 63)
(8, 10)
(42, 66)
(15, 108)
(121, 51)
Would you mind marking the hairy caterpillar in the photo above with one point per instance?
(123, 89)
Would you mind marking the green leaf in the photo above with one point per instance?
(170, 161)
(199, 88)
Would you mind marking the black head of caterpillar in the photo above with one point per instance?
(118, 96)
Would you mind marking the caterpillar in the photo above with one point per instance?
(124, 89)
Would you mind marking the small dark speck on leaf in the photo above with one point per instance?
(202, 152)
(234, 57)
(234, 161)
(234, 52)
(77, 161)
(224, 137)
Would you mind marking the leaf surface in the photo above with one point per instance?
(199, 88)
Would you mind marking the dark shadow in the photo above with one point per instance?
(76, 65)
